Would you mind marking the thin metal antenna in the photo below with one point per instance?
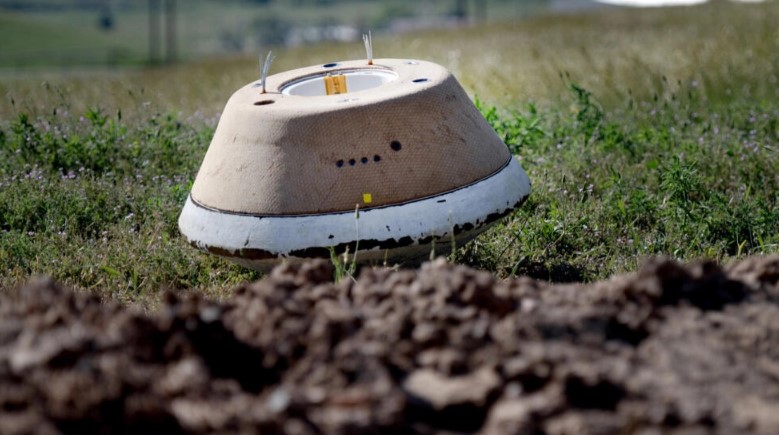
(264, 67)
(366, 38)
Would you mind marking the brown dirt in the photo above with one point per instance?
(670, 349)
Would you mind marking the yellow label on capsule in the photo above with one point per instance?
(367, 198)
(335, 84)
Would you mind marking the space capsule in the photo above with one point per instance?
(387, 160)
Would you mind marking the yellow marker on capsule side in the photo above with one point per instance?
(367, 198)
(335, 84)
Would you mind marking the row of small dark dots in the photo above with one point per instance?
(352, 162)
(394, 145)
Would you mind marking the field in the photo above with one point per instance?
(644, 134)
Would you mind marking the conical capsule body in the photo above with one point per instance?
(398, 140)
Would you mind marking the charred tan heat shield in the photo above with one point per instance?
(398, 139)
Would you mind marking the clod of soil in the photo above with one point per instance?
(670, 349)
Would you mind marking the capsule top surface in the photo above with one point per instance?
(327, 138)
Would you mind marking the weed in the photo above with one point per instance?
(588, 113)
(344, 265)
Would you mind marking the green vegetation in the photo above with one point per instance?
(644, 134)
(610, 188)
(94, 202)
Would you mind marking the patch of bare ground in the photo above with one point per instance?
(669, 349)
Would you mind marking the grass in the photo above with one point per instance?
(95, 203)
(643, 133)
(670, 177)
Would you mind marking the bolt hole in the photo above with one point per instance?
(352, 162)
(420, 80)
(329, 65)
(377, 158)
(395, 145)
(263, 102)
(339, 163)
(364, 160)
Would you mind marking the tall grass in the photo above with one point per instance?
(651, 133)
(673, 176)
(94, 202)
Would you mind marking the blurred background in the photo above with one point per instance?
(44, 33)
(646, 130)
(190, 55)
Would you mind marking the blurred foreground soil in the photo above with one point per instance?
(682, 349)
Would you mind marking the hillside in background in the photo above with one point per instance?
(58, 33)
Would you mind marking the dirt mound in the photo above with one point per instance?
(671, 349)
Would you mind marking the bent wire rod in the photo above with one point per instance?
(366, 38)
(264, 68)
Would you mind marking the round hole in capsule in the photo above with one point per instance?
(422, 80)
(329, 65)
(395, 145)
(263, 102)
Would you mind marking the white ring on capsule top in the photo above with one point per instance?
(356, 81)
